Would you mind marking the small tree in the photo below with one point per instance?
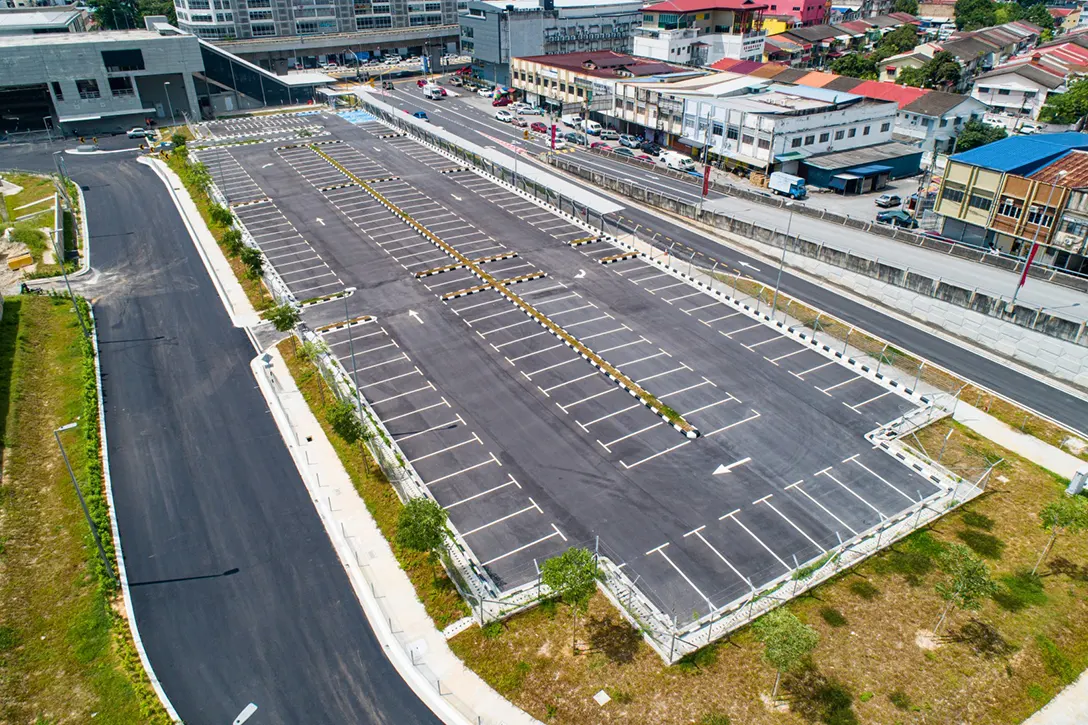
(310, 351)
(344, 422)
(787, 641)
(284, 318)
(178, 140)
(572, 576)
(1068, 514)
(975, 133)
(906, 6)
(421, 526)
(232, 242)
(221, 215)
(1068, 107)
(968, 582)
(254, 261)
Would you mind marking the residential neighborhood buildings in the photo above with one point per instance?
(700, 32)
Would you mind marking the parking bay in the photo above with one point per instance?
(628, 486)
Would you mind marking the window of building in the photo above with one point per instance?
(121, 61)
(763, 143)
(580, 92)
(885, 127)
(796, 143)
(717, 128)
(1003, 91)
(202, 18)
(944, 122)
(57, 91)
(982, 203)
(199, 5)
(1010, 207)
(1075, 227)
(865, 131)
(87, 88)
(825, 137)
(629, 106)
(809, 140)
(563, 87)
(983, 89)
(466, 31)
(1041, 215)
(852, 132)
(839, 135)
(261, 31)
(746, 139)
(732, 134)
(305, 27)
(1029, 94)
(952, 193)
(260, 15)
(259, 4)
(122, 86)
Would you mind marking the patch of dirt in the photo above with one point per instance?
(8, 249)
(926, 640)
(545, 649)
(1074, 445)
(774, 705)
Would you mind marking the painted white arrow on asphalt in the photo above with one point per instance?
(266, 166)
(749, 266)
(245, 714)
(321, 221)
(456, 197)
(581, 273)
(414, 314)
(726, 469)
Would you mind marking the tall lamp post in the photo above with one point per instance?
(83, 503)
(782, 261)
(169, 103)
(1035, 238)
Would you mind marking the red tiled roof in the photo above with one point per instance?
(1061, 12)
(691, 6)
(1074, 163)
(725, 64)
(902, 95)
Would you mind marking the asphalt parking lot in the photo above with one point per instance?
(529, 447)
(269, 125)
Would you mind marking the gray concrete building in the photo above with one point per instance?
(494, 31)
(40, 20)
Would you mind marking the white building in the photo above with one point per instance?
(933, 120)
(701, 32)
(1018, 90)
(785, 124)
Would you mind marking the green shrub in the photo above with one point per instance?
(35, 239)
(232, 242)
(981, 543)
(865, 696)
(491, 630)
(833, 616)
(914, 558)
(977, 520)
(620, 697)
(8, 639)
(699, 659)
(253, 260)
(1020, 591)
(178, 140)
(220, 215)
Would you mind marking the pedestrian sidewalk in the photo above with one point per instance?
(415, 647)
(1037, 451)
(1069, 707)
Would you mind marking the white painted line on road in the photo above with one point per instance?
(732, 425)
(481, 304)
(683, 297)
(650, 458)
(605, 316)
(513, 360)
(572, 309)
(878, 397)
(851, 492)
(785, 518)
(801, 374)
(428, 386)
(661, 550)
(626, 344)
(759, 541)
(836, 385)
(854, 459)
(474, 439)
(698, 533)
(734, 332)
(550, 367)
(473, 321)
(511, 482)
(764, 342)
(395, 377)
(245, 714)
(568, 406)
(520, 339)
(403, 357)
(447, 424)
(585, 426)
(500, 520)
(463, 470)
(568, 382)
(526, 546)
(683, 366)
(607, 446)
(803, 492)
(507, 327)
(684, 390)
(621, 328)
(727, 469)
(655, 290)
(708, 323)
(788, 354)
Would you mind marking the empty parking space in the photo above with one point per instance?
(506, 529)
(306, 274)
(229, 175)
(267, 125)
(524, 210)
(423, 155)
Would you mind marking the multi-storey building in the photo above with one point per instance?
(494, 32)
(700, 32)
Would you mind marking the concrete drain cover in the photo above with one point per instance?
(602, 698)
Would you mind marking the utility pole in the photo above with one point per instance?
(1035, 238)
(79, 493)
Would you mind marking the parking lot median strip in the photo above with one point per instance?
(614, 374)
(362, 320)
(617, 257)
(582, 240)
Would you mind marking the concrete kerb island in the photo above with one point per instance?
(671, 642)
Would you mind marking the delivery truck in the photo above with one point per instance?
(788, 185)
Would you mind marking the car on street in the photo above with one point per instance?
(609, 135)
(501, 101)
(519, 122)
(421, 115)
(137, 133)
(539, 127)
(484, 93)
(621, 151)
(504, 116)
(644, 157)
(560, 144)
(575, 137)
(897, 218)
(629, 141)
(456, 81)
(526, 109)
(387, 85)
(886, 201)
(650, 147)
(599, 145)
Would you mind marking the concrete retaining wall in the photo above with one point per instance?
(1052, 344)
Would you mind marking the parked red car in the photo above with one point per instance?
(539, 127)
(501, 101)
(598, 145)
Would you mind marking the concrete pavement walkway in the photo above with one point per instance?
(415, 647)
(1069, 707)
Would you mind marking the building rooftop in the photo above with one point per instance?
(1028, 70)
(1023, 154)
(692, 6)
(17, 19)
(902, 95)
(861, 156)
(105, 36)
(1075, 166)
(606, 64)
(937, 103)
(538, 5)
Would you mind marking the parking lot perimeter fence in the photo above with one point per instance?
(991, 305)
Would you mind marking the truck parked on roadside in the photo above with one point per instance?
(787, 185)
(676, 161)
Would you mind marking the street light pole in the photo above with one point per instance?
(79, 493)
(782, 261)
(169, 103)
(1035, 238)
(351, 348)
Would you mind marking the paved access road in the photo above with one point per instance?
(236, 588)
(1069, 409)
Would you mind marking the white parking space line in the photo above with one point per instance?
(417, 410)
(387, 380)
(473, 321)
(683, 297)
(639, 280)
(428, 386)
(733, 425)
(766, 500)
(854, 459)
(621, 328)
(568, 406)
(507, 327)
(803, 373)
(852, 492)
(626, 344)
(507, 517)
(683, 366)
(448, 476)
(698, 534)
(474, 496)
(655, 290)
(734, 332)
(770, 551)
(568, 382)
(788, 354)
(796, 485)
(481, 304)
(730, 399)
(656, 455)
(593, 319)
(877, 397)
(708, 323)
(572, 309)
(585, 426)
(837, 385)
(513, 360)
(474, 439)
(526, 546)
(551, 367)
(447, 424)
(661, 550)
(401, 358)
(684, 390)
(608, 446)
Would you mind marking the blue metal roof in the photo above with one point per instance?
(870, 170)
(1023, 154)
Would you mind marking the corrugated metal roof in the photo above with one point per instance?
(790, 75)
(844, 83)
(691, 6)
(725, 64)
(1023, 154)
(769, 70)
(862, 156)
(902, 95)
(1074, 163)
(816, 79)
(938, 103)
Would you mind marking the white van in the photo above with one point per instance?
(676, 161)
(572, 120)
(591, 127)
(432, 92)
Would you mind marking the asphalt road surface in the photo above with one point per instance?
(1069, 409)
(238, 593)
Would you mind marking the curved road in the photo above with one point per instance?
(1067, 408)
(238, 593)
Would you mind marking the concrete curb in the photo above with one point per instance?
(122, 572)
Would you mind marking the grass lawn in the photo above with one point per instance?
(34, 188)
(439, 596)
(258, 296)
(996, 665)
(65, 653)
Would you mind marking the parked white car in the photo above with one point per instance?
(504, 115)
(137, 133)
(485, 93)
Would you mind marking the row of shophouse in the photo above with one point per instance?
(1019, 191)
